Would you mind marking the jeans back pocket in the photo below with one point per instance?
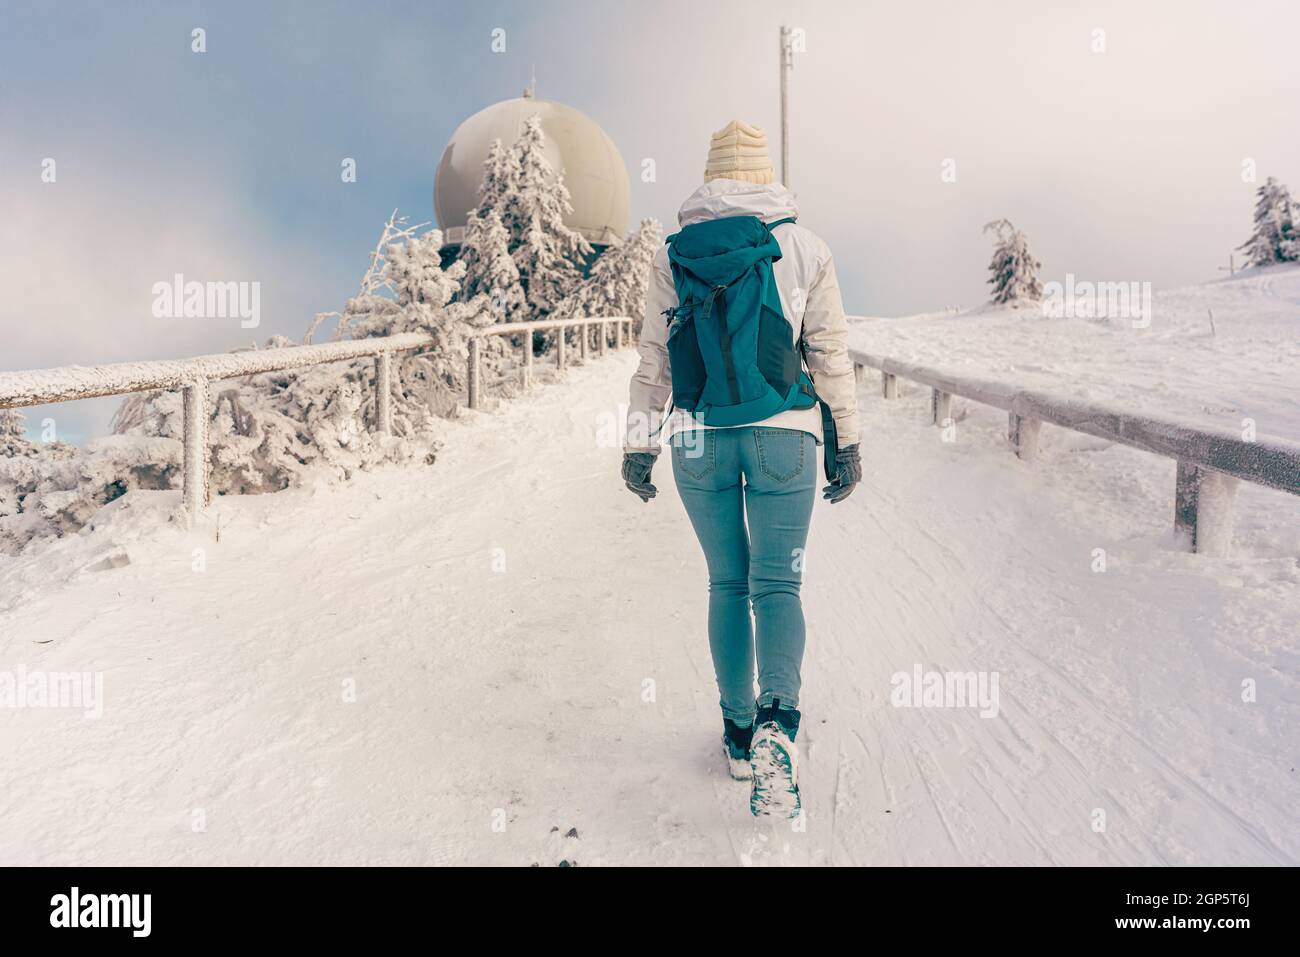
(780, 453)
(694, 452)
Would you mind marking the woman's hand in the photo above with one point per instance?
(848, 473)
(636, 474)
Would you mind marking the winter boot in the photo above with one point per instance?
(775, 762)
(735, 745)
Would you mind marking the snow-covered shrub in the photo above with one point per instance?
(375, 294)
(434, 379)
(270, 430)
(1014, 270)
(1276, 238)
(50, 488)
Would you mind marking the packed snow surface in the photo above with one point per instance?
(501, 658)
(1213, 355)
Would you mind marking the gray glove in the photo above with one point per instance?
(848, 473)
(636, 474)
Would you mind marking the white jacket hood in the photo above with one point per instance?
(721, 198)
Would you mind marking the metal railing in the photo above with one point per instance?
(1209, 464)
(192, 376)
(622, 337)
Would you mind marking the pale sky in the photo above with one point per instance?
(1118, 165)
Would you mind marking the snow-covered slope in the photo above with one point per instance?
(1214, 354)
(526, 644)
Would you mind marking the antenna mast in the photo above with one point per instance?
(787, 64)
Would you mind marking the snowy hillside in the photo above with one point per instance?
(501, 658)
(1246, 366)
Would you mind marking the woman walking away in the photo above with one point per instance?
(745, 330)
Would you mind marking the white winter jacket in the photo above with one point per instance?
(810, 300)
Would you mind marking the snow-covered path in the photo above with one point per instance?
(525, 643)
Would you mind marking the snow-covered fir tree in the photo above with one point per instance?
(616, 285)
(547, 253)
(489, 268)
(640, 258)
(435, 378)
(500, 179)
(1276, 238)
(1013, 269)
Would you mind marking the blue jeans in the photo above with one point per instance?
(761, 564)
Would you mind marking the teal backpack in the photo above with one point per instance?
(730, 346)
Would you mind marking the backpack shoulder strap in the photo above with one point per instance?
(830, 434)
(779, 222)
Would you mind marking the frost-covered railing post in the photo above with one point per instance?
(1203, 508)
(475, 371)
(194, 457)
(940, 407)
(1022, 432)
(1210, 464)
(384, 393)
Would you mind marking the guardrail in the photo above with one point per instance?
(192, 376)
(1209, 464)
(622, 336)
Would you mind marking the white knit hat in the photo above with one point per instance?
(739, 151)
